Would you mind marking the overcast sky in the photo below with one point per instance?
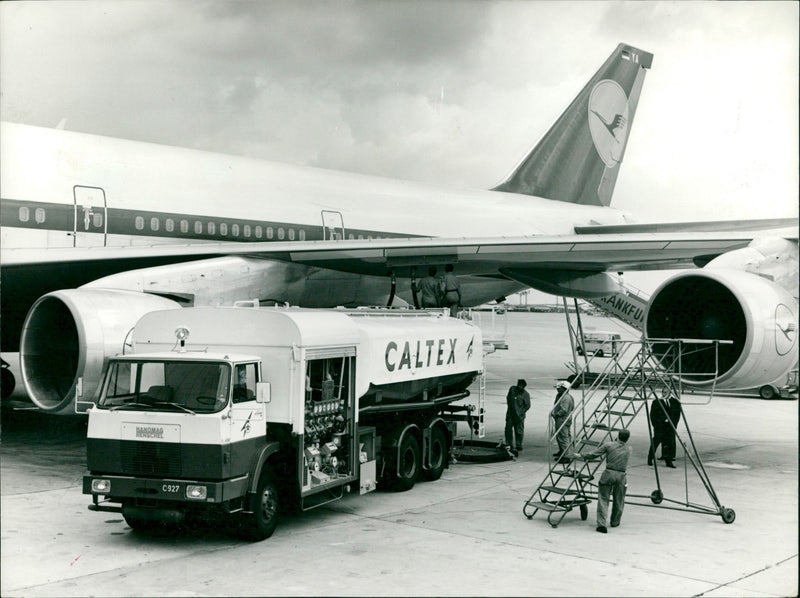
(451, 93)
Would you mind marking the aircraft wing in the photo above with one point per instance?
(587, 253)
(773, 224)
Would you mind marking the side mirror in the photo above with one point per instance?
(263, 392)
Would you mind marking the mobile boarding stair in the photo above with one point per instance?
(613, 399)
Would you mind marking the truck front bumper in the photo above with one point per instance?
(118, 489)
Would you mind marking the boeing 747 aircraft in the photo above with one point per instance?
(98, 231)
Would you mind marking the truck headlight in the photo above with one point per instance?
(196, 492)
(101, 486)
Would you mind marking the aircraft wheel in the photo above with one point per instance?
(657, 496)
(7, 383)
(767, 392)
(728, 515)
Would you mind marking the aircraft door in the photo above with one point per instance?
(332, 226)
(91, 217)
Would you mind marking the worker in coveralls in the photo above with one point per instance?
(429, 289)
(562, 420)
(518, 402)
(613, 482)
(451, 290)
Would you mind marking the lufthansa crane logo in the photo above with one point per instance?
(785, 329)
(608, 121)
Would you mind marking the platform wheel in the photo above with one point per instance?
(728, 515)
(584, 512)
(657, 496)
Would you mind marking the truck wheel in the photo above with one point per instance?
(767, 392)
(599, 353)
(438, 455)
(137, 523)
(579, 350)
(260, 524)
(408, 464)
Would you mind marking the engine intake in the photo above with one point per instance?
(67, 337)
(758, 316)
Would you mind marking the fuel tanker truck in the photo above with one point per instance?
(244, 411)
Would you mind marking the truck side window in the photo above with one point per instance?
(244, 383)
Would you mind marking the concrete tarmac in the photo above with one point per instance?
(464, 535)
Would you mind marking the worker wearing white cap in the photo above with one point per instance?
(562, 419)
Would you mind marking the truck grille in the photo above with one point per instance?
(151, 458)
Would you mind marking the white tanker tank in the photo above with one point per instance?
(401, 356)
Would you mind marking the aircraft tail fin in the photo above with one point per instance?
(578, 159)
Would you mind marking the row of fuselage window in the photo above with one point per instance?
(210, 228)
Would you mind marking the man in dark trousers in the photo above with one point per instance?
(613, 482)
(674, 411)
(518, 401)
(663, 427)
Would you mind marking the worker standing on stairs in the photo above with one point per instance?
(613, 482)
(562, 420)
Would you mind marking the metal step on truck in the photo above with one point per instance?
(245, 411)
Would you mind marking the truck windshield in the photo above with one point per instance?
(199, 387)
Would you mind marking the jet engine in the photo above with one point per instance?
(759, 316)
(67, 337)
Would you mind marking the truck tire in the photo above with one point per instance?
(408, 465)
(260, 524)
(438, 455)
(767, 392)
(137, 523)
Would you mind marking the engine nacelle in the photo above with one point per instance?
(68, 336)
(756, 314)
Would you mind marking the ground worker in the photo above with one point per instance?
(665, 413)
(429, 290)
(451, 290)
(562, 420)
(518, 402)
(613, 481)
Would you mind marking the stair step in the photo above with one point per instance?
(546, 506)
(591, 442)
(559, 506)
(605, 427)
(604, 412)
(572, 473)
(557, 490)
